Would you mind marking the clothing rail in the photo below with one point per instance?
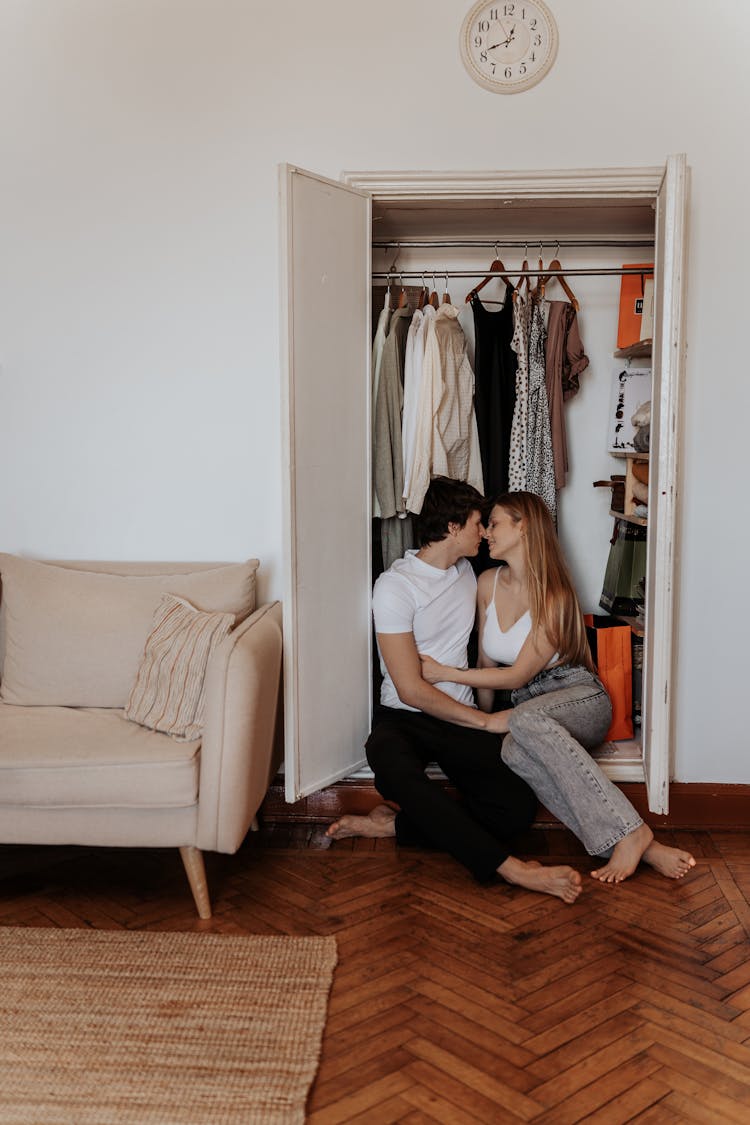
(503, 243)
(429, 271)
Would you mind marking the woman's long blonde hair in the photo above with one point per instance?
(553, 602)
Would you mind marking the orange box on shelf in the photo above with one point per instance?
(632, 291)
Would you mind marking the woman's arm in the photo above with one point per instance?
(402, 661)
(533, 657)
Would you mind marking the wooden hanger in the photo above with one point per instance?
(556, 265)
(446, 294)
(403, 299)
(538, 290)
(434, 298)
(496, 268)
(523, 279)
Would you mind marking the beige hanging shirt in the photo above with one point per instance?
(446, 442)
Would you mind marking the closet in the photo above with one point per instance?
(335, 237)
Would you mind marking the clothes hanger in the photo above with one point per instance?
(423, 294)
(434, 299)
(538, 291)
(496, 268)
(446, 294)
(556, 265)
(524, 278)
(403, 299)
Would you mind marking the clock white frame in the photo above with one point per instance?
(499, 84)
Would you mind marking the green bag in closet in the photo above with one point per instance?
(622, 591)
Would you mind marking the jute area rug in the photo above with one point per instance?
(109, 1028)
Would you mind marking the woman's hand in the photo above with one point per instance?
(433, 672)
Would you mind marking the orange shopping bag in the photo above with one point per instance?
(632, 293)
(610, 643)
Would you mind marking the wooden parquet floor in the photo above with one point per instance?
(455, 1003)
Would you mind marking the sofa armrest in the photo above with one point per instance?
(239, 753)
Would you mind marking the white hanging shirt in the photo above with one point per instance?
(447, 442)
(412, 386)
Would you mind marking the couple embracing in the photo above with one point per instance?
(532, 641)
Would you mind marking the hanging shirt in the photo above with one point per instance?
(446, 443)
(466, 321)
(495, 375)
(388, 462)
(564, 361)
(540, 469)
(412, 385)
(519, 426)
(377, 354)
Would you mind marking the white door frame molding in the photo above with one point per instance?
(667, 190)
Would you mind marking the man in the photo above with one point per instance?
(426, 603)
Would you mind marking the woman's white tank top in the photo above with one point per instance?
(500, 646)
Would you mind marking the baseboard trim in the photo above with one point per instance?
(691, 805)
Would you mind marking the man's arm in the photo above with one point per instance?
(405, 669)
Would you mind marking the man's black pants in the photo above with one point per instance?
(495, 803)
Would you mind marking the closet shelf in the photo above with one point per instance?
(642, 350)
(638, 520)
(631, 453)
(636, 626)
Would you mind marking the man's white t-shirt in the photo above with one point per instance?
(437, 606)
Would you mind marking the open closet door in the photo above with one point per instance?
(326, 425)
(670, 279)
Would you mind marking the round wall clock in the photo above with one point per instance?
(508, 47)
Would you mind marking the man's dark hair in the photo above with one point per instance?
(446, 501)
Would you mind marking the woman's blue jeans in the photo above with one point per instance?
(556, 719)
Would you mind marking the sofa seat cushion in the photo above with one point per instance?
(63, 756)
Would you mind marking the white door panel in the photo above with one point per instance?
(326, 426)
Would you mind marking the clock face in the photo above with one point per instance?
(508, 47)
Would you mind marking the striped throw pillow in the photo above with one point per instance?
(168, 694)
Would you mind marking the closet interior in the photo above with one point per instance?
(344, 242)
(479, 255)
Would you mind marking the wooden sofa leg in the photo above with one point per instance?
(196, 873)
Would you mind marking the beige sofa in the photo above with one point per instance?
(73, 769)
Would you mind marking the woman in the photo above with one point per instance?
(530, 621)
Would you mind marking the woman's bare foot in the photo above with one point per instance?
(563, 882)
(626, 856)
(671, 862)
(378, 824)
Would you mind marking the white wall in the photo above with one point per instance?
(139, 357)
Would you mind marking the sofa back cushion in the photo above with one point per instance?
(169, 693)
(73, 634)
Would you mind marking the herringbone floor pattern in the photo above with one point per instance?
(455, 1003)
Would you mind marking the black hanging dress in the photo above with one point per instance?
(495, 389)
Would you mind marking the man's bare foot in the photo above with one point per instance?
(563, 882)
(671, 862)
(626, 856)
(378, 824)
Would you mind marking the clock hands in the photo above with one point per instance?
(507, 41)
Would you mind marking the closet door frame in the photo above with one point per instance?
(666, 187)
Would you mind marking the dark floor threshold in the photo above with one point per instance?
(701, 806)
